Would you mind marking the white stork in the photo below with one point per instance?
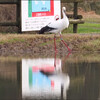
(56, 27)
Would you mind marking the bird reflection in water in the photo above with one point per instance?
(44, 79)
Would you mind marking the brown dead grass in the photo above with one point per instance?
(7, 37)
(89, 14)
(86, 15)
(28, 44)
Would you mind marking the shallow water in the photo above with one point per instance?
(72, 77)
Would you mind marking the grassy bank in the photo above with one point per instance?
(14, 44)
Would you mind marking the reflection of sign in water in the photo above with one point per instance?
(38, 79)
(36, 84)
(40, 8)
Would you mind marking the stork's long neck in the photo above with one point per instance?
(64, 15)
(65, 18)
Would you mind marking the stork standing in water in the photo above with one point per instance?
(56, 27)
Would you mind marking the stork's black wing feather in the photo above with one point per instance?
(46, 29)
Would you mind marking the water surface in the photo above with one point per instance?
(71, 77)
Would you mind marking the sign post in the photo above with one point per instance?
(38, 13)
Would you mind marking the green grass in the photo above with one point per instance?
(87, 27)
(91, 24)
(12, 40)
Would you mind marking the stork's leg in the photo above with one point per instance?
(55, 43)
(55, 60)
(65, 43)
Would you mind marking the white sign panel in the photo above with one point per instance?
(38, 13)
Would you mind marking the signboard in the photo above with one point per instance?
(38, 13)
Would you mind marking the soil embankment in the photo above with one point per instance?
(28, 44)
